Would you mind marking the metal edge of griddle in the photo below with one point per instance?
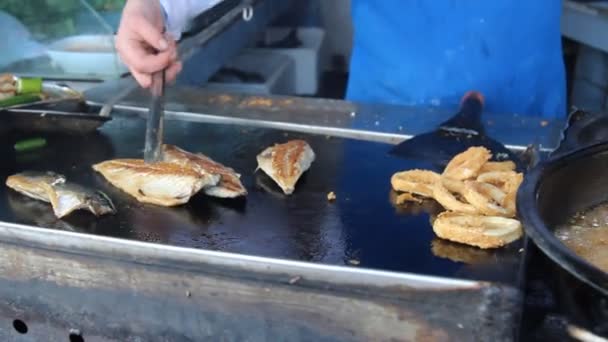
(103, 298)
(197, 260)
(351, 133)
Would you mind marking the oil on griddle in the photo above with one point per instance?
(360, 228)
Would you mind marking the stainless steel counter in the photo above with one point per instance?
(377, 122)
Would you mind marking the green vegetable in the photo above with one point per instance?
(20, 99)
(29, 85)
(30, 144)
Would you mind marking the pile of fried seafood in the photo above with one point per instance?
(478, 195)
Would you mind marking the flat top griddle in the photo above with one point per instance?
(361, 228)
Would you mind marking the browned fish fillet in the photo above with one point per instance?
(31, 183)
(285, 163)
(164, 184)
(65, 197)
(229, 185)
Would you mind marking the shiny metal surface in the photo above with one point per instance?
(155, 121)
(71, 116)
(130, 249)
(375, 122)
(110, 289)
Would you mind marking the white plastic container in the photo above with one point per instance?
(307, 58)
(276, 69)
(87, 55)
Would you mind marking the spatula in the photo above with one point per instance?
(455, 135)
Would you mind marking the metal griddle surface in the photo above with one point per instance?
(361, 228)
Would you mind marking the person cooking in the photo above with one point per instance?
(417, 52)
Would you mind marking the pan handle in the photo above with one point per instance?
(582, 129)
(469, 115)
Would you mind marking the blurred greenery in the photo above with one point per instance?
(50, 19)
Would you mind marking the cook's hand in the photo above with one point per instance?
(140, 32)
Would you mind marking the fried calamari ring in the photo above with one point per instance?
(448, 200)
(407, 197)
(514, 182)
(414, 208)
(467, 164)
(490, 166)
(486, 198)
(453, 185)
(513, 186)
(476, 230)
(419, 182)
(508, 181)
(502, 179)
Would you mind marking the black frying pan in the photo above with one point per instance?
(572, 179)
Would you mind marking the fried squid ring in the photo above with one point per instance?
(486, 198)
(490, 166)
(467, 164)
(511, 198)
(502, 179)
(448, 200)
(419, 182)
(407, 197)
(476, 230)
(453, 185)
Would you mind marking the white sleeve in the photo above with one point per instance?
(178, 13)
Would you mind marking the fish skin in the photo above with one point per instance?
(162, 183)
(68, 197)
(65, 197)
(285, 163)
(229, 184)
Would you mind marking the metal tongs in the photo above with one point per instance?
(154, 127)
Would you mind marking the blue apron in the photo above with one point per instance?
(430, 52)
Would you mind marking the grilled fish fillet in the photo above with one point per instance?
(285, 163)
(31, 183)
(64, 197)
(165, 184)
(229, 185)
